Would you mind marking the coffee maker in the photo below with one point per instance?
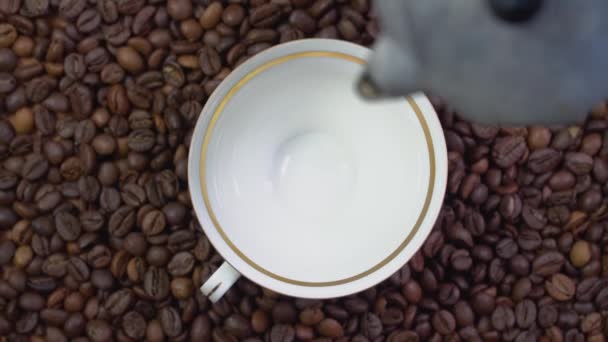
(498, 62)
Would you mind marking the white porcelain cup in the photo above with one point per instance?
(305, 188)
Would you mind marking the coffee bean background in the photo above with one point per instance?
(98, 240)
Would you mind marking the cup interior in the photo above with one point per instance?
(309, 185)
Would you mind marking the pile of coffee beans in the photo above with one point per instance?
(98, 240)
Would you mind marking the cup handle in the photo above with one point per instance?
(220, 282)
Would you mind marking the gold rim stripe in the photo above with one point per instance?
(220, 230)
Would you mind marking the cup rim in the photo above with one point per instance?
(212, 227)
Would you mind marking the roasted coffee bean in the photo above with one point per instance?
(356, 305)
(210, 61)
(508, 151)
(139, 96)
(538, 137)
(266, 15)
(591, 323)
(84, 132)
(89, 188)
(578, 163)
(529, 240)
(580, 254)
(55, 265)
(117, 33)
(181, 264)
(330, 328)
(8, 60)
(142, 23)
(74, 66)
(134, 325)
(156, 283)
(31, 301)
(121, 221)
(8, 180)
(27, 322)
(181, 240)
(256, 36)
(71, 8)
(118, 103)
(92, 220)
(112, 73)
(588, 288)
(67, 225)
(448, 294)
(547, 316)
(602, 299)
(26, 71)
(38, 89)
(237, 325)
(55, 317)
(154, 331)
(281, 333)
(108, 174)
(233, 15)
(119, 263)
(119, 301)
(109, 199)
(7, 83)
(544, 160)
(74, 325)
(154, 222)
(444, 322)
(141, 140)
(525, 314)
(8, 35)
(311, 316)
(133, 195)
(7, 250)
(129, 59)
(503, 318)
(99, 330)
(135, 243)
(181, 288)
(548, 263)
(45, 120)
(17, 99)
(34, 8)
(41, 284)
(506, 248)
(560, 287)
(533, 217)
(78, 269)
(35, 167)
(371, 326)
(211, 16)
(23, 256)
(81, 100)
(102, 279)
(463, 313)
(302, 21)
(170, 321)
(99, 256)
